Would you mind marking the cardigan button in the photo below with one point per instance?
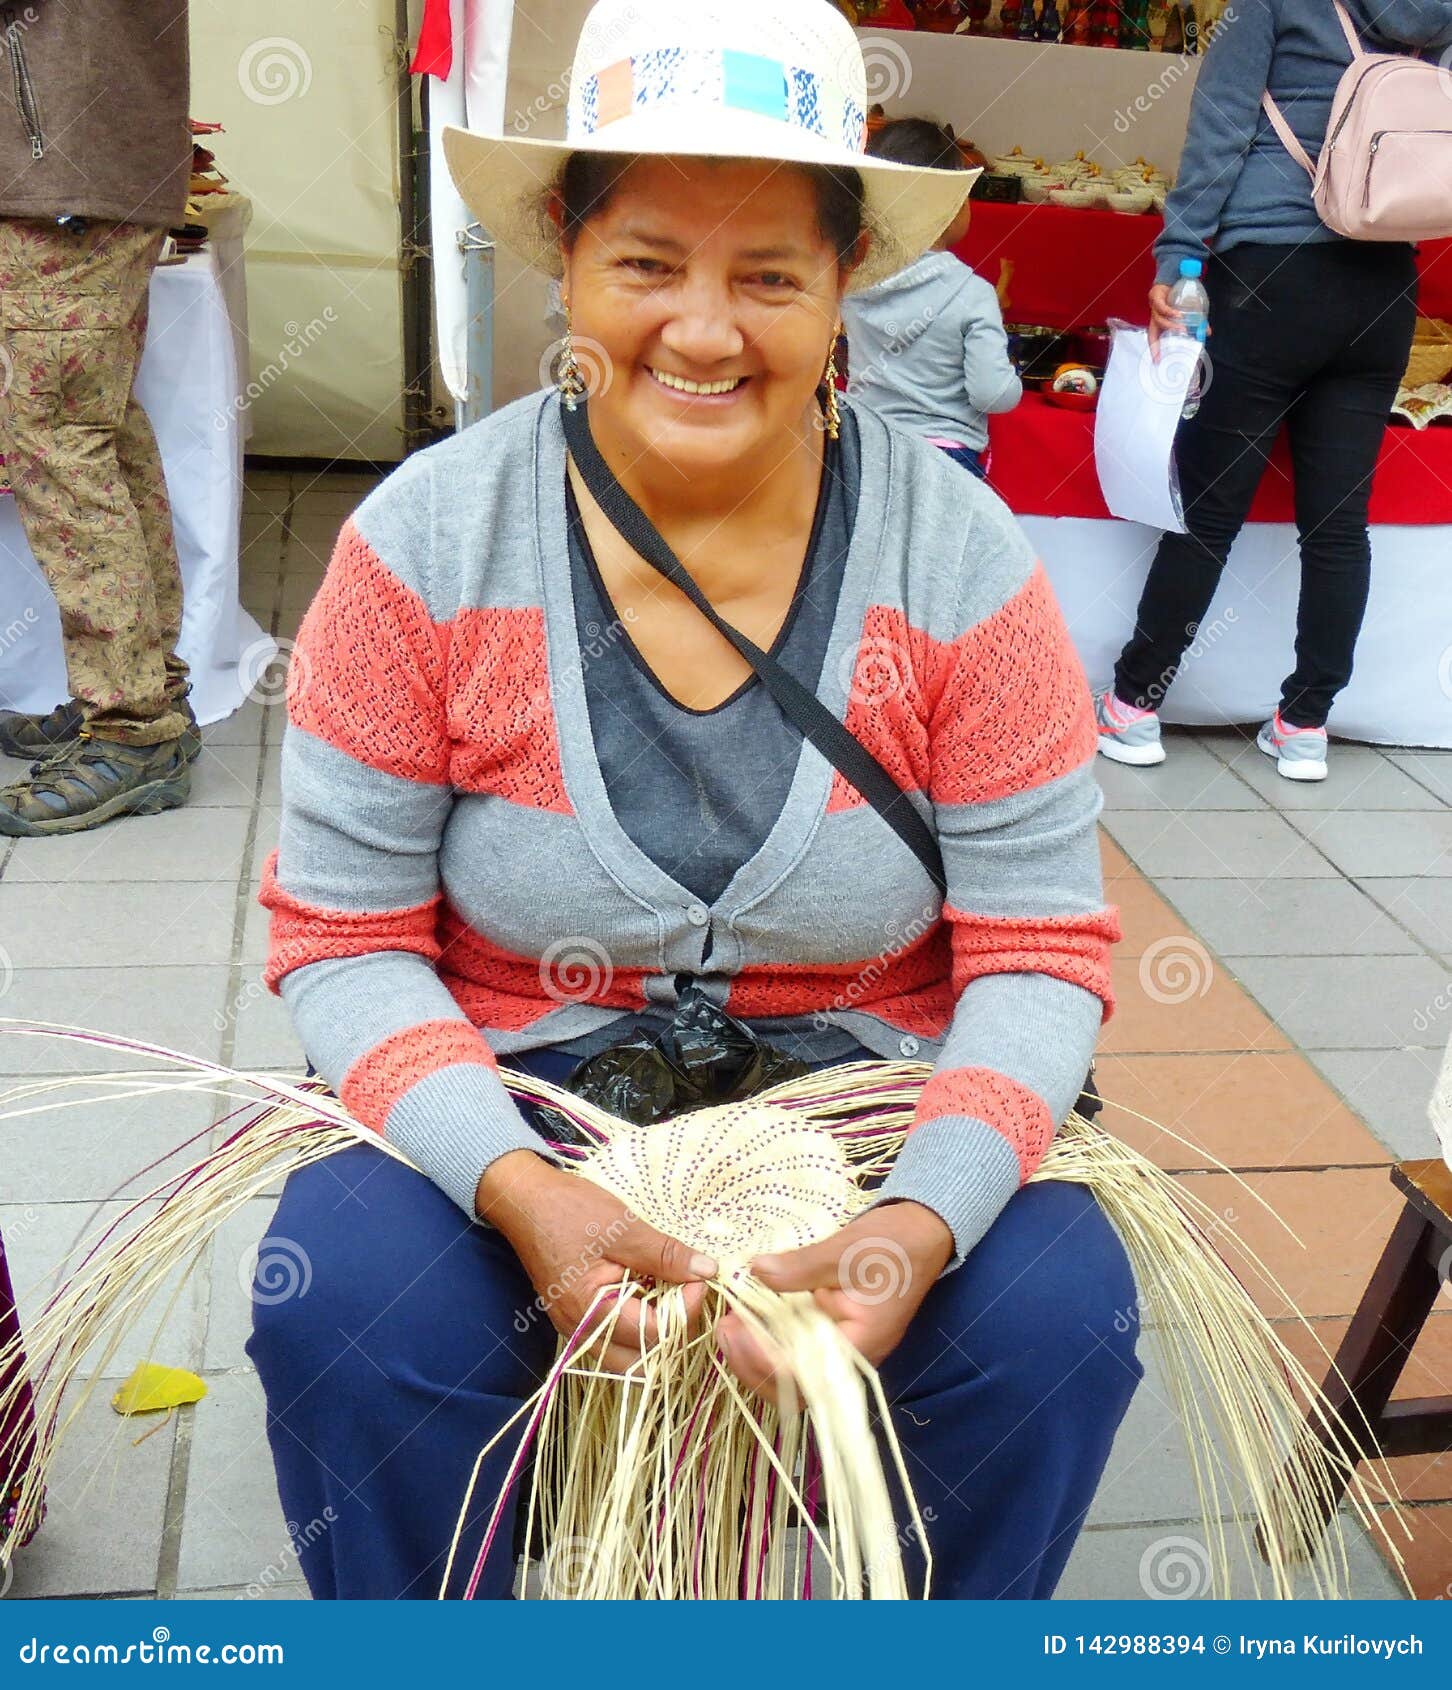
(909, 1046)
(697, 914)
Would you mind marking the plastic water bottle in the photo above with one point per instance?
(1188, 297)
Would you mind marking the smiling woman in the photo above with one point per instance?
(494, 846)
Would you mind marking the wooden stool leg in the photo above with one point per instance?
(1392, 1311)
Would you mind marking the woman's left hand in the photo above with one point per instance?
(870, 1277)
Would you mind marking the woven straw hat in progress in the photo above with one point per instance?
(669, 1482)
(748, 79)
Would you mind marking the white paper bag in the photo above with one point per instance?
(1135, 422)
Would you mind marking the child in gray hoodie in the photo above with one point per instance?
(926, 347)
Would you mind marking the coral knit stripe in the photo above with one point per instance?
(382, 1075)
(368, 671)
(1075, 948)
(1012, 1109)
(302, 933)
(481, 973)
(1005, 708)
(501, 715)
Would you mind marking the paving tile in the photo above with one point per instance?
(103, 1145)
(1172, 1562)
(234, 1260)
(46, 1243)
(1190, 778)
(176, 1007)
(264, 1035)
(106, 1503)
(1113, 862)
(1149, 1475)
(1245, 1111)
(1240, 845)
(1319, 1239)
(1428, 1556)
(1389, 1089)
(117, 923)
(1426, 1371)
(233, 1530)
(1179, 1015)
(1288, 918)
(242, 727)
(185, 844)
(225, 775)
(268, 1589)
(1361, 778)
(1424, 906)
(1432, 768)
(1353, 1003)
(1367, 843)
(1144, 915)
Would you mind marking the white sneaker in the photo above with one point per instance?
(1127, 735)
(1300, 753)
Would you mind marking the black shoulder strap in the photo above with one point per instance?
(801, 707)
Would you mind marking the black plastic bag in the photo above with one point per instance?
(704, 1056)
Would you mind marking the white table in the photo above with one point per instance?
(190, 384)
(1401, 691)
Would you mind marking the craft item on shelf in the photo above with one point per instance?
(1425, 404)
(1430, 357)
(940, 17)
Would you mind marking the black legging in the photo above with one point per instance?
(1315, 336)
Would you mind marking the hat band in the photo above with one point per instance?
(694, 77)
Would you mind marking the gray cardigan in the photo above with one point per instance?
(1237, 183)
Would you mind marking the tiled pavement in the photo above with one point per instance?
(1286, 985)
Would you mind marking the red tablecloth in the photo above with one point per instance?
(1076, 267)
(1043, 465)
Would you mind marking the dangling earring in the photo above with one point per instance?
(831, 412)
(569, 377)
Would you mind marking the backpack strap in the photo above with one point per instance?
(1352, 38)
(1273, 111)
(1287, 135)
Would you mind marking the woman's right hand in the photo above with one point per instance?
(573, 1239)
(1164, 319)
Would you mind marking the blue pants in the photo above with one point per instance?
(418, 1335)
(971, 461)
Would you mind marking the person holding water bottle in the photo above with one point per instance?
(1305, 327)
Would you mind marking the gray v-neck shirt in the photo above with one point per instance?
(699, 790)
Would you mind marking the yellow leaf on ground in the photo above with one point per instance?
(153, 1387)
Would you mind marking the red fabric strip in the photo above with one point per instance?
(434, 55)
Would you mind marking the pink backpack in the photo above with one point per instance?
(1385, 171)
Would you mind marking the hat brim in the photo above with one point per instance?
(502, 178)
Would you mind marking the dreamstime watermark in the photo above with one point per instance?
(889, 69)
(576, 969)
(274, 70)
(268, 667)
(1203, 635)
(875, 671)
(298, 1538)
(1169, 370)
(571, 1567)
(1432, 1012)
(278, 1270)
(1444, 672)
(592, 362)
(868, 976)
(1175, 969)
(1175, 1569)
(18, 626)
(300, 337)
(7, 971)
(874, 1270)
(573, 1272)
(1176, 69)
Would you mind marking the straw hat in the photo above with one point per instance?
(762, 79)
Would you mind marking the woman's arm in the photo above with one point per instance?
(1224, 116)
(354, 885)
